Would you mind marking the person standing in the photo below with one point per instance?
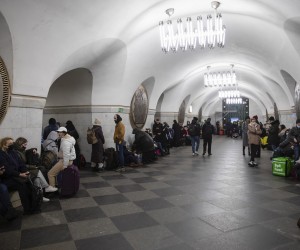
(66, 155)
(273, 137)
(97, 148)
(119, 135)
(52, 126)
(254, 132)
(245, 134)
(207, 132)
(194, 132)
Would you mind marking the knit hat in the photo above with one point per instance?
(96, 122)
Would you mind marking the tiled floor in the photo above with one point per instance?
(180, 202)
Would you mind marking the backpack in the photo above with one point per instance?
(36, 196)
(192, 129)
(111, 159)
(91, 136)
(48, 159)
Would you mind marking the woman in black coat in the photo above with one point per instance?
(15, 174)
(97, 148)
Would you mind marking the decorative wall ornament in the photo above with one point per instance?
(139, 108)
(5, 90)
(181, 113)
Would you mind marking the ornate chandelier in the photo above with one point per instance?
(220, 79)
(229, 93)
(187, 37)
(234, 100)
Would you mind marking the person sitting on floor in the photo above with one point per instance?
(15, 175)
(6, 208)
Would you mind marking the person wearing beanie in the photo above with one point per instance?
(245, 134)
(97, 148)
(294, 135)
(119, 135)
(207, 131)
(254, 132)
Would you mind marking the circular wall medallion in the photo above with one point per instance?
(5, 87)
(139, 108)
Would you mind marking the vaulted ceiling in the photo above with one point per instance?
(118, 42)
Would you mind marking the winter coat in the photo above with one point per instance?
(245, 134)
(143, 141)
(12, 164)
(207, 130)
(273, 138)
(119, 133)
(254, 132)
(50, 143)
(97, 148)
(67, 150)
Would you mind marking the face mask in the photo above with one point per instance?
(10, 147)
(298, 126)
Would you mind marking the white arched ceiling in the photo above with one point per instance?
(121, 48)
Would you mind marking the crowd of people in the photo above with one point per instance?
(18, 163)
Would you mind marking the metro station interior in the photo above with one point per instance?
(172, 60)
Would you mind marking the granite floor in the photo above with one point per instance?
(180, 202)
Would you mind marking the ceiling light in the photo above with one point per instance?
(185, 36)
(220, 79)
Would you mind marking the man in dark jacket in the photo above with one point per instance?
(207, 132)
(273, 137)
(194, 132)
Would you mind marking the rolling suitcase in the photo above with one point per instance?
(69, 181)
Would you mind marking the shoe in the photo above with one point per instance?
(196, 153)
(209, 154)
(243, 153)
(204, 153)
(11, 214)
(123, 169)
(251, 164)
(50, 189)
(193, 154)
(118, 170)
(254, 163)
(100, 165)
(45, 199)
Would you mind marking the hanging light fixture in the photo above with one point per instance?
(186, 37)
(234, 100)
(229, 93)
(220, 79)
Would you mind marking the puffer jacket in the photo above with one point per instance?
(254, 132)
(67, 150)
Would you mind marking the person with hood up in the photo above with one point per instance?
(119, 135)
(50, 143)
(273, 137)
(207, 132)
(52, 126)
(66, 155)
(97, 148)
